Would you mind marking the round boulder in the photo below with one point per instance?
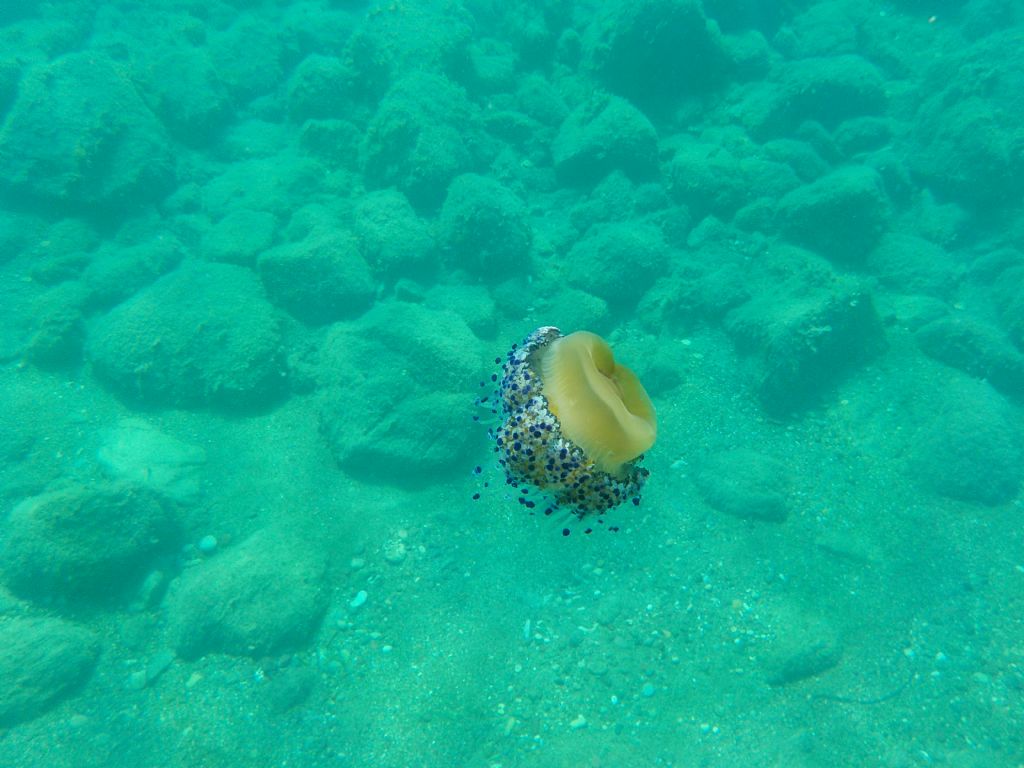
(80, 132)
(262, 596)
(319, 279)
(841, 215)
(971, 450)
(84, 541)
(202, 335)
(395, 241)
(393, 388)
(486, 227)
(655, 51)
(420, 138)
(618, 262)
(605, 134)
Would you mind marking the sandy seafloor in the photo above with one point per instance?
(257, 257)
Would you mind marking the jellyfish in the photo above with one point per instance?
(575, 423)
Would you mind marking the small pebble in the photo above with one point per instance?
(136, 680)
(395, 551)
(151, 591)
(356, 563)
(579, 722)
(158, 664)
(207, 545)
(647, 690)
(358, 600)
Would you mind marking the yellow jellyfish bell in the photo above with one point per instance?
(575, 423)
(600, 404)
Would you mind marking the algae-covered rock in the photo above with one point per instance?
(656, 51)
(202, 335)
(604, 134)
(860, 135)
(977, 349)
(63, 251)
(540, 100)
(971, 447)
(117, 271)
(423, 37)
(841, 215)
(438, 350)
(420, 138)
(260, 597)
(240, 236)
(41, 660)
(807, 339)
(473, 303)
(184, 89)
(247, 55)
(80, 132)
(269, 183)
(709, 179)
(393, 239)
(968, 142)
(318, 88)
(58, 329)
(319, 279)
(85, 541)
(410, 443)
(486, 228)
(393, 386)
(817, 344)
(618, 262)
(909, 264)
(10, 74)
(1008, 292)
(826, 90)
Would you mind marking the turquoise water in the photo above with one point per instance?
(259, 262)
